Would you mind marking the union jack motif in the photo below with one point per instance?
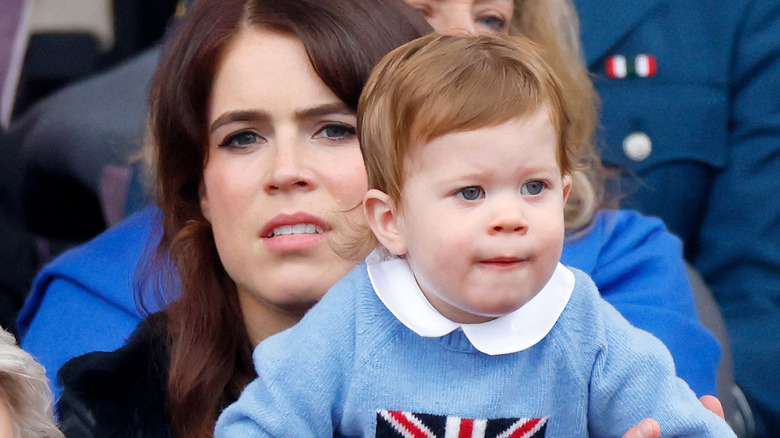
(397, 424)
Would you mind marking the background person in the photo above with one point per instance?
(25, 397)
(17, 252)
(699, 136)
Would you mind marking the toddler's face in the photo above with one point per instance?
(481, 217)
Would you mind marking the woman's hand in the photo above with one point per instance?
(649, 428)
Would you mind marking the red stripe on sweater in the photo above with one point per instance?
(522, 430)
(466, 428)
(410, 427)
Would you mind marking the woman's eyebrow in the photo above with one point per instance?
(239, 116)
(262, 116)
(324, 109)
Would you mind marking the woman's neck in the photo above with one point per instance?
(263, 319)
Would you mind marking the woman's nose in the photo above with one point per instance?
(289, 170)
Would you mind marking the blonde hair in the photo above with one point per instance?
(26, 390)
(553, 24)
(440, 84)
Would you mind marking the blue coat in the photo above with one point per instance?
(707, 155)
(84, 301)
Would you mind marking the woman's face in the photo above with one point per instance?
(473, 16)
(283, 178)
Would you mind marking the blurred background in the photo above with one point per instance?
(68, 40)
(53, 103)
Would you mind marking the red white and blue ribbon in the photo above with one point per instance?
(641, 66)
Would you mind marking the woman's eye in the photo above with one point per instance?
(494, 23)
(240, 139)
(471, 193)
(336, 132)
(532, 188)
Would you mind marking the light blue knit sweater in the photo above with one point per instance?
(350, 361)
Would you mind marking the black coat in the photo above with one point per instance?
(120, 393)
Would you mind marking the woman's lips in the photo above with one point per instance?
(292, 232)
(284, 230)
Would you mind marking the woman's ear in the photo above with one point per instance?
(383, 218)
(204, 202)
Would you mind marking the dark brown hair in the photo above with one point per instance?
(210, 350)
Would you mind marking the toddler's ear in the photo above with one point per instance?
(567, 182)
(380, 211)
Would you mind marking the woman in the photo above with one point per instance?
(264, 94)
(226, 307)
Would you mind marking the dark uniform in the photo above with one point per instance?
(690, 95)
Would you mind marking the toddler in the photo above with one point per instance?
(463, 323)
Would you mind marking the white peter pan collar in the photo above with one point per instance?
(396, 287)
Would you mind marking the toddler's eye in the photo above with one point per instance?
(471, 193)
(532, 188)
(240, 139)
